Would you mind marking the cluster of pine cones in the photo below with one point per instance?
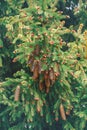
(46, 78)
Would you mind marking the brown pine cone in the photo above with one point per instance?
(17, 93)
(62, 112)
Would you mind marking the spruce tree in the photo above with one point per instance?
(49, 89)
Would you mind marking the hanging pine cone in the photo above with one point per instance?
(41, 85)
(47, 83)
(62, 112)
(47, 80)
(52, 76)
(17, 93)
(36, 71)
